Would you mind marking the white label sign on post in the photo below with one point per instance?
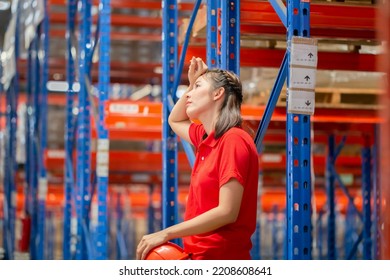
(301, 102)
(302, 76)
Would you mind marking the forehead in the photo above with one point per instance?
(202, 79)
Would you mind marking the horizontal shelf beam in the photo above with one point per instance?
(151, 162)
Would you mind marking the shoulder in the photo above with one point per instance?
(239, 138)
(238, 134)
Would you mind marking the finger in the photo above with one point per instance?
(145, 253)
(202, 67)
(140, 248)
(139, 252)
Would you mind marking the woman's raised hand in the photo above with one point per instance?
(196, 69)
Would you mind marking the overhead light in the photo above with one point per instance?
(4, 5)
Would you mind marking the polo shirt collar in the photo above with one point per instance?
(210, 140)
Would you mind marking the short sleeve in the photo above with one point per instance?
(234, 159)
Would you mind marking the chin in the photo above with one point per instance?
(190, 114)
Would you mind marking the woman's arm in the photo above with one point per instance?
(178, 119)
(230, 196)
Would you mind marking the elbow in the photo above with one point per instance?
(233, 218)
(230, 217)
(170, 121)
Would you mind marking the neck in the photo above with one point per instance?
(209, 122)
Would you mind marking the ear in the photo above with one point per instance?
(219, 93)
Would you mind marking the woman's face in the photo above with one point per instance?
(199, 99)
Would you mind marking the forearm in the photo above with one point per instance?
(178, 113)
(206, 222)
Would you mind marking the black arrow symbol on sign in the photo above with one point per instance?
(307, 78)
(310, 55)
(307, 102)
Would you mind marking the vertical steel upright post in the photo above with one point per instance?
(103, 140)
(376, 192)
(366, 195)
(29, 148)
(69, 130)
(169, 203)
(330, 191)
(350, 234)
(32, 149)
(213, 56)
(298, 210)
(320, 231)
(9, 207)
(83, 130)
(230, 35)
(42, 179)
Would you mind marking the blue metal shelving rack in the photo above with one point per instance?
(298, 212)
(169, 203)
(69, 130)
(43, 104)
(230, 35)
(36, 138)
(295, 16)
(9, 207)
(365, 217)
(103, 139)
(83, 139)
(90, 242)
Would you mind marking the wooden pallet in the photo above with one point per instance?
(343, 98)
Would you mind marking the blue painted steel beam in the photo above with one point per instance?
(345, 191)
(186, 146)
(83, 170)
(280, 10)
(103, 140)
(169, 203)
(350, 235)
(31, 167)
(298, 212)
(271, 104)
(230, 35)
(9, 208)
(320, 233)
(213, 56)
(42, 133)
(275, 231)
(33, 115)
(376, 193)
(366, 195)
(69, 131)
(330, 191)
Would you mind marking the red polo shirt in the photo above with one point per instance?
(233, 155)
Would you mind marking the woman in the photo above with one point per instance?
(221, 211)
